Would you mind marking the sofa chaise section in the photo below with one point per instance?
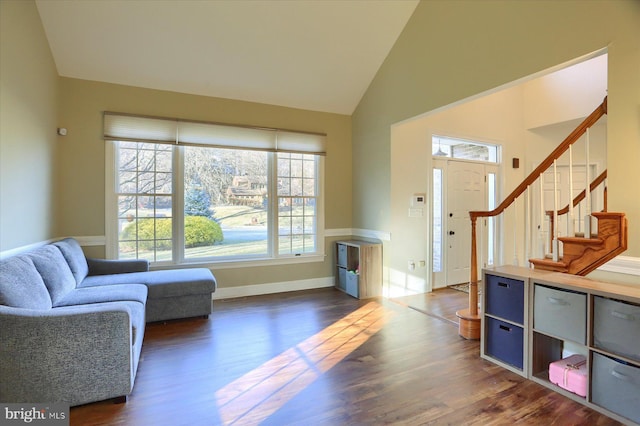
(173, 293)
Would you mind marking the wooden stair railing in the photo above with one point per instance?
(581, 196)
(469, 320)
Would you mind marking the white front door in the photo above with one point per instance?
(465, 192)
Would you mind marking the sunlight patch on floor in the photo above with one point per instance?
(253, 397)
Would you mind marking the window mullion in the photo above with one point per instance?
(111, 204)
(178, 204)
(273, 203)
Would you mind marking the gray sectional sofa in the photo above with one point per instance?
(71, 328)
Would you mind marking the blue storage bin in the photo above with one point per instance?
(504, 342)
(504, 298)
(342, 255)
(342, 279)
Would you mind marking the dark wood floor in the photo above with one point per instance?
(321, 357)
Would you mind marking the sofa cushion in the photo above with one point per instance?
(54, 270)
(107, 293)
(21, 286)
(165, 283)
(74, 256)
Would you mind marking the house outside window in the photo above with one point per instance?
(180, 202)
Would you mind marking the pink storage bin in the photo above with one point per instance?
(570, 374)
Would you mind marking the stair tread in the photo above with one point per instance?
(581, 240)
(581, 235)
(549, 256)
(549, 265)
(547, 262)
(607, 214)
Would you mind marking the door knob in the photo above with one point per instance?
(451, 233)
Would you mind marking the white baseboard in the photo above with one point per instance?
(357, 232)
(371, 233)
(338, 232)
(270, 288)
(93, 240)
(623, 265)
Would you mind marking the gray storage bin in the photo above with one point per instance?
(616, 386)
(560, 313)
(616, 327)
(342, 255)
(352, 284)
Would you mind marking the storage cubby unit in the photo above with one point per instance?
(359, 268)
(503, 339)
(563, 315)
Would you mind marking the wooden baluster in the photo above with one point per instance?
(554, 247)
(570, 216)
(527, 231)
(515, 233)
(587, 193)
(552, 231)
(579, 216)
(543, 243)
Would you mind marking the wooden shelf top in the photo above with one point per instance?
(573, 282)
(358, 243)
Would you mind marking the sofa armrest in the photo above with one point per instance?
(108, 267)
(75, 354)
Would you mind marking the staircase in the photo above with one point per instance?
(583, 255)
(575, 253)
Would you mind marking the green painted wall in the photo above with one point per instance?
(452, 50)
(81, 174)
(28, 121)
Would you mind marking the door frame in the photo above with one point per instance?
(439, 279)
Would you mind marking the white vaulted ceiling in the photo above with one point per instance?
(313, 54)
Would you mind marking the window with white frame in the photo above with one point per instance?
(442, 146)
(192, 192)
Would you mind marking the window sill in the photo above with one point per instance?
(236, 264)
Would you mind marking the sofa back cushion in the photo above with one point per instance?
(74, 256)
(54, 270)
(21, 286)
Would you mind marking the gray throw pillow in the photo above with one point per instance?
(54, 270)
(74, 256)
(21, 286)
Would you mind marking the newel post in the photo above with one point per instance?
(468, 319)
(473, 284)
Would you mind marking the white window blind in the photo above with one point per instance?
(126, 127)
(139, 129)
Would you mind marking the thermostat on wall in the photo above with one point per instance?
(418, 200)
